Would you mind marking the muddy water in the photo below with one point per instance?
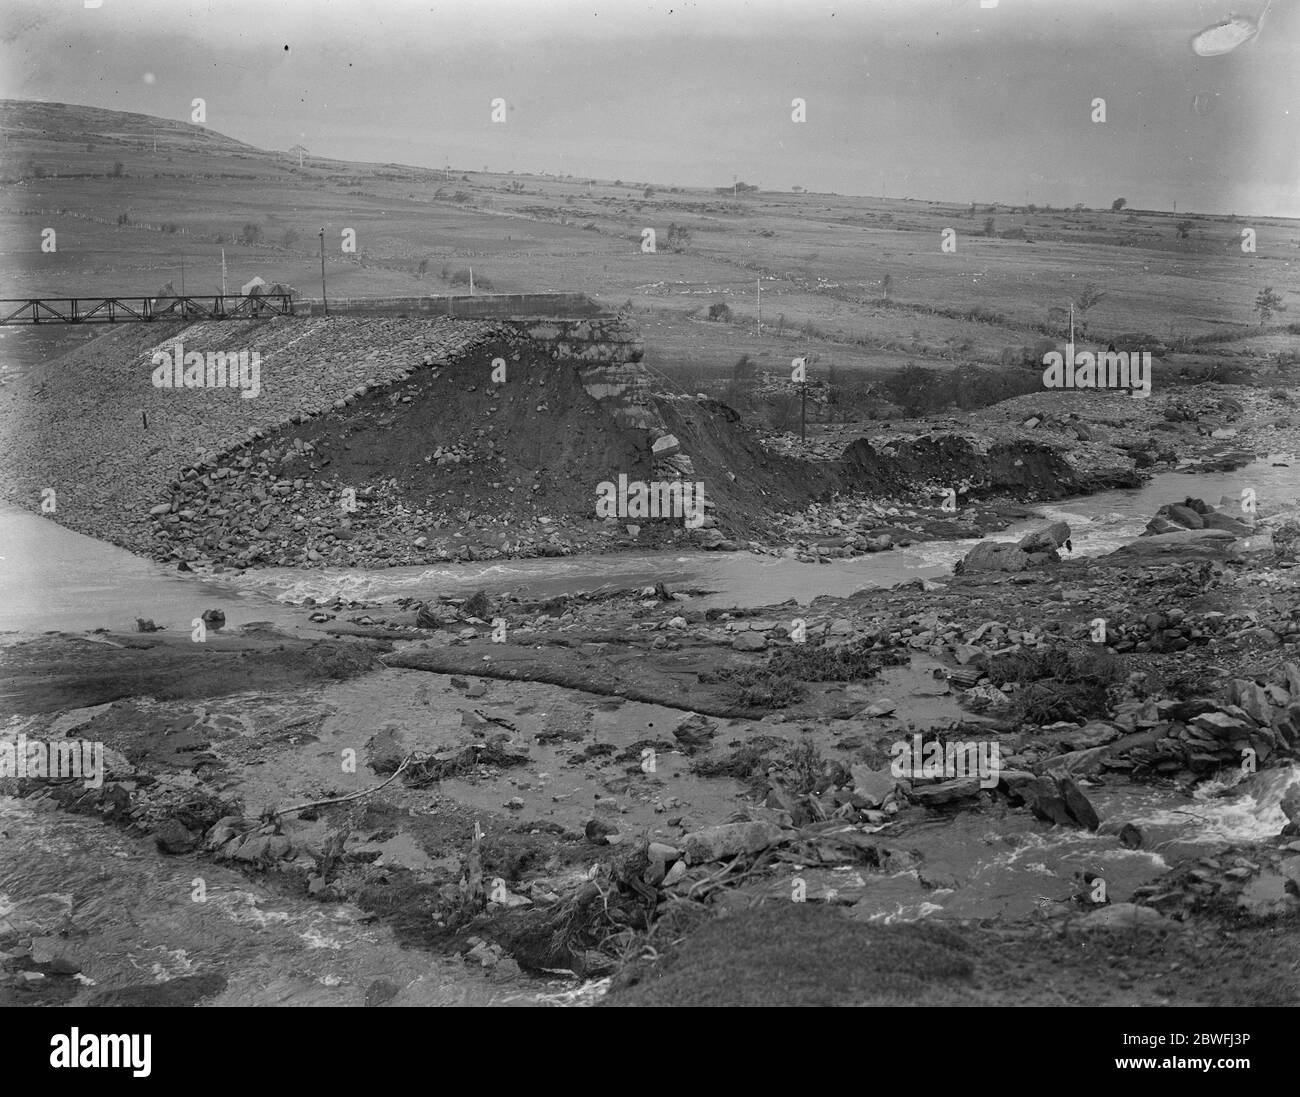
(985, 866)
(53, 578)
(130, 913)
(132, 917)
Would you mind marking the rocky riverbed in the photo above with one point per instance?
(586, 783)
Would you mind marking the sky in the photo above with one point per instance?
(945, 100)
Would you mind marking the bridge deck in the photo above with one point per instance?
(112, 310)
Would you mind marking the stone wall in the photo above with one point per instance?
(606, 352)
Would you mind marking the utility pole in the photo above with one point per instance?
(803, 410)
(182, 274)
(223, 278)
(323, 300)
(759, 283)
(471, 281)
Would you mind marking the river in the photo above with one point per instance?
(131, 911)
(54, 578)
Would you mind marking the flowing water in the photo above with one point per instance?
(131, 914)
(53, 578)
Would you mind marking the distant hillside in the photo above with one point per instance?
(846, 282)
(64, 122)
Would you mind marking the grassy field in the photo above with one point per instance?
(856, 283)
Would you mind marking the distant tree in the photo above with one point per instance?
(988, 226)
(1266, 304)
(1118, 204)
(649, 192)
(1078, 207)
(720, 312)
(289, 237)
(423, 268)
(886, 284)
(1184, 229)
(117, 169)
(251, 233)
(678, 237)
(123, 219)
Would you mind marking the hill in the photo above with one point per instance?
(857, 284)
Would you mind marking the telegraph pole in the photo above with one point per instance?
(324, 302)
(759, 282)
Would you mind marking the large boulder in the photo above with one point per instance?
(1216, 520)
(665, 446)
(1195, 514)
(1185, 543)
(730, 839)
(995, 556)
(1048, 539)
(1035, 549)
(695, 732)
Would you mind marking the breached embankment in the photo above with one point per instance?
(391, 441)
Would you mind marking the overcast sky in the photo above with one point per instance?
(937, 99)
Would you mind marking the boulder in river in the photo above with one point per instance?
(695, 732)
(478, 605)
(1033, 550)
(1181, 542)
(1195, 514)
(1056, 798)
(1048, 539)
